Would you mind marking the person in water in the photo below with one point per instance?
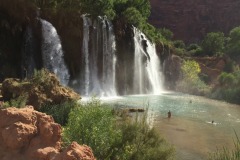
(169, 114)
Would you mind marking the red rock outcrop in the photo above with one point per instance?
(190, 20)
(26, 134)
(49, 91)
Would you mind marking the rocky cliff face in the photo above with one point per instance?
(190, 20)
(26, 134)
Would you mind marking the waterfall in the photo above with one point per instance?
(147, 71)
(99, 60)
(52, 52)
(85, 49)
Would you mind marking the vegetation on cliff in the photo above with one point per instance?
(42, 89)
(215, 45)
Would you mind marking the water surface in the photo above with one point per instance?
(190, 128)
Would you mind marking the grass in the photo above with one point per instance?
(226, 154)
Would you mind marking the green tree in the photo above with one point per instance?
(166, 33)
(190, 70)
(214, 43)
(133, 16)
(233, 45)
(143, 6)
(191, 81)
(179, 44)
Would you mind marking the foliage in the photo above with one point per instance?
(140, 142)
(191, 81)
(59, 112)
(214, 43)
(98, 7)
(179, 44)
(17, 102)
(227, 79)
(166, 33)
(180, 52)
(194, 50)
(95, 125)
(40, 77)
(190, 70)
(133, 16)
(229, 89)
(226, 154)
(233, 45)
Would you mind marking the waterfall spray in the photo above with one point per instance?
(99, 61)
(52, 52)
(147, 71)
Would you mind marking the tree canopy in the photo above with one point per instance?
(233, 46)
(213, 43)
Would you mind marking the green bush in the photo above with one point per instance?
(191, 82)
(95, 125)
(214, 43)
(59, 112)
(140, 142)
(40, 77)
(179, 44)
(17, 102)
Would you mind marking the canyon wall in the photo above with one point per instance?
(190, 20)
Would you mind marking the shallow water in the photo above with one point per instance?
(190, 128)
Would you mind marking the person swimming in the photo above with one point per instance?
(169, 114)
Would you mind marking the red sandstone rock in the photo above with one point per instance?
(190, 20)
(26, 134)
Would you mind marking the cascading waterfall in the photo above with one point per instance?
(85, 49)
(99, 59)
(154, 71)
(147, 73)
(52, 52)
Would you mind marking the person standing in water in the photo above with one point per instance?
(169, 114)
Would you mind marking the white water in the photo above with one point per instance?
(100, 60)
(190, 128)
(85, 50)
(154, 71)
(147, 72)
(52, 52)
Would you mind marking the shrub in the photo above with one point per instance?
(17, 102)
(214, 43)
(191, 81)
(179, 44)
(95, 125)
(59, 112)
(140, 142)
(40, 77)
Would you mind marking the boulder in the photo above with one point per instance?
(28, 134)
(37, 92)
